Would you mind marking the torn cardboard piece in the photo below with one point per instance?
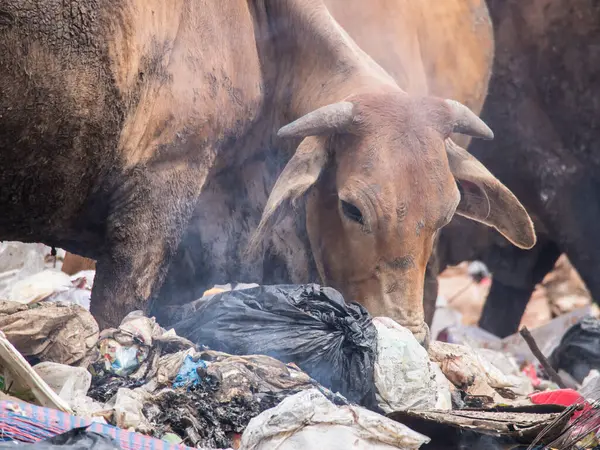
(55, 332)
(482, 428)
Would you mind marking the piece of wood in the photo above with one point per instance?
(555, 377)
(452, 427)
(13, 361)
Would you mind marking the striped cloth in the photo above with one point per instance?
(24, 422)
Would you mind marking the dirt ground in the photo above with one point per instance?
(560, 292)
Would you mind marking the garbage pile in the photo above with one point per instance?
(287, 367)
(463, 290)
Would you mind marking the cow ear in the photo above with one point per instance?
(486, 200)
(298, 176)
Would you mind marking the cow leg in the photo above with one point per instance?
(512, 289)
(573, 213)
(148, 214)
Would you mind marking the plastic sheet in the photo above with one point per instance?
(308, 420)
(75, 439)
(579, 350)
(404, 376)
(311, 326)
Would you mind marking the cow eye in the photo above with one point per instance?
(352, 212)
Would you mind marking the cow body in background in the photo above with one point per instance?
(544, 105)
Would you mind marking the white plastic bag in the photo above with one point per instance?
(19, 260)
(307, 420)
(507, 371)
(38, 286)
(71, 384)
(444, 396)
(404, 376)
(80, 292)
(590, 387)
(67, 381)
(127, 405)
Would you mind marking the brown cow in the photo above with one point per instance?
(366, 225)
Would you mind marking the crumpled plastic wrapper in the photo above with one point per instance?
(404, 376)
(309, 420)
(119, 359)
(474, 373)
(124, 350)
(57, 332)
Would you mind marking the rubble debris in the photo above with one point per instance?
(310, 325)
(579, 350)
(123, 351)
(127, 407)
(19, 376)
(462, 294)
(472, 373)
(71, 384)
(309, 420)
(466, 429)
(150, 380)
(106, 387)
(547, 336)
(120, 359)
(198, 419)
(581, 431)
(555, 377)
(232, 390)
(55, 332)
(206, 398)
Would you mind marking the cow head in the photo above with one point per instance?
(381, 176)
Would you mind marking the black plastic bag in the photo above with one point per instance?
(309, 325)
(74, 439)
(579, 349)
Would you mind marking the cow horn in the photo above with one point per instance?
(467, 122)
(325, 120)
